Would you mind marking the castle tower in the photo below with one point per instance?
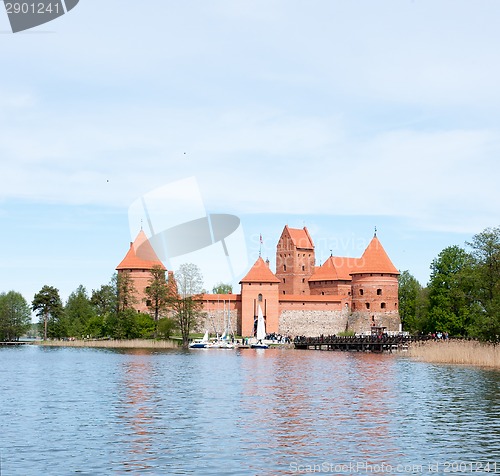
(138, 262)
(375, 288)
(294, 260)
(259, 287)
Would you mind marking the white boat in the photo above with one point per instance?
(220, 344)
(261, 331)
(200, 344)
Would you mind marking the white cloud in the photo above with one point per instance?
(283, 106)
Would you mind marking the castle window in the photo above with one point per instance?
(284, 267)
(259, 298)
(382, 305)
(367, 305)
(284, 292)
(303, 280)
(349, 293)
(284, 280)
(322, 293)
(379, 292)
(361, 292)
(303, 268)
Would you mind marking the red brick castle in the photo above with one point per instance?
(299, 298)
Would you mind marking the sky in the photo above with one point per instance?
(341, 116)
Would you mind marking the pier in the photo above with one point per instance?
(361, 343)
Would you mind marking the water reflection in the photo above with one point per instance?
(135, 410)
(242, 412)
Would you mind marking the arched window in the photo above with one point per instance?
(360, 292)
(259, 298)
(382, 305)
(379, 292)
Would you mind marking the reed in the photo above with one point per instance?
(457, 352)
(114, 344)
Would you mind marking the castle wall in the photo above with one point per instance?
(361, 322)
(215, 321)
(310, 323)
(220, 310)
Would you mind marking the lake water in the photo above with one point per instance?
(266, 412)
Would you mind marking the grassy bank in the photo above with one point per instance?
(114, 344)
(457, 352)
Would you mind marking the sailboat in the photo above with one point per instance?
(261, 331)
(223, 342)
(200, 344)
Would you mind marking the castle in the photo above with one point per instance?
(300, 298)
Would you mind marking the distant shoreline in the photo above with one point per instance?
(455, 352)
(112, 344)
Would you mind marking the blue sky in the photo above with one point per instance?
(338, 115)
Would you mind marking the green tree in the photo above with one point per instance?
(222, 288)
(129, 324)
(410, 303)
(79, 311)
(49, 309)
(104, 299)
(157, 292)
(125, 290)
(15, 316)
(486, 305)
(450, 288)
(185, 300)
(166, 327)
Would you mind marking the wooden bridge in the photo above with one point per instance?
(371, 343)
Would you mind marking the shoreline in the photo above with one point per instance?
(113, 344)
(457, 352)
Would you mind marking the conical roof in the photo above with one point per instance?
(141, 255)
(375, 260)
(260, 273)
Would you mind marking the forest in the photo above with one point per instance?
(462, 296)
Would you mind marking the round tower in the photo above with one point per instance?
(375, 291)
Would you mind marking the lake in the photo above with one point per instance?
(242, 412)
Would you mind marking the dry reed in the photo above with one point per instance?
(115, 344)
(457, 352)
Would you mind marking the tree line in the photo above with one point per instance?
(462, 296)
(108, 312)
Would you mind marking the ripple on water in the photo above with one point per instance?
(245, 412)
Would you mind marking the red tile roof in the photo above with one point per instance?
(260, 273)
(375, 260)
(336, 268)
(141, 255)
(300, 238)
